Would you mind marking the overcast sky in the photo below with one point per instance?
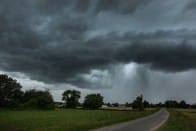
(119, 48)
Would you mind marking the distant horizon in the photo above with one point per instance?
(83, 94)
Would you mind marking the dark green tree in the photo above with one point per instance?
(10, 92)
(183, 104)
(115, 104)
(138, 103)
(38, 99)
(193, 106)
(71, 98)
(146, 104)
(171, 104)
(159, 104)
(108, 104)
(93, 101)
(127, 104)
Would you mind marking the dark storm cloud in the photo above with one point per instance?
(119, 6)
(163, 57)
(50, 41)
(82, 5)
(191, 6)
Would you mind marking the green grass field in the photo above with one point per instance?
(63, 119)
(190, 115)
(179, 120)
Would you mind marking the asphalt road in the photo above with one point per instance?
(149, 123)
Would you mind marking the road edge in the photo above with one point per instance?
(163, 122)
(136, 120)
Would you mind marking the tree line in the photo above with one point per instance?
(91, 101)
(11, 96)
(140, 104)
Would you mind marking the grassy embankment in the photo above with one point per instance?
(180, 120)
(63, 119)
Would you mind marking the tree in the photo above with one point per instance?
(183, 104)
(159, 105)
(71, 98)
(108, 104)
(127, 104)
(115, 104)
(146, 104)
(193, 106)
(10, 92)
(171, 104)
(138, 103)
(38, 99)
(93, 101)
